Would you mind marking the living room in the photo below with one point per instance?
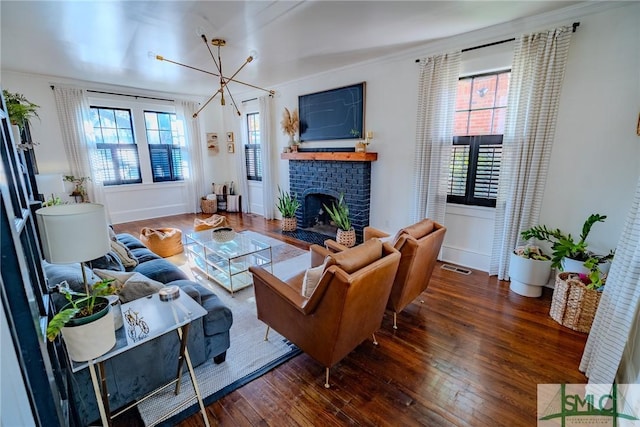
(593, 168)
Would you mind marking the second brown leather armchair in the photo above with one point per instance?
(345, 308)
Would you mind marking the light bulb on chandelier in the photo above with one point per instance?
(224, 81)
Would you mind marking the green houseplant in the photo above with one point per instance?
(339, 214)
(19, 108)
(288, 204)
(563, 245)
(86, 322)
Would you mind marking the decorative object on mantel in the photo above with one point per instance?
(346, 235)
(20, 111)
(290, 125)
(361, 145)
(224, 80)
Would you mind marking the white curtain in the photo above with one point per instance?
(618, 309)
(434, 134)
(534, 95)
(241, 165)
(77, 137)
(195, 157)
(266, 149)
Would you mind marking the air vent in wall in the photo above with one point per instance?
(456, 269)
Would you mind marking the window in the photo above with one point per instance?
(481, 106)
(117, 153)
(252, 150)
(165, 137)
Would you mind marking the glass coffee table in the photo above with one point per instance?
(227, 262)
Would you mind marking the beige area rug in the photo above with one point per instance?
(248, 357)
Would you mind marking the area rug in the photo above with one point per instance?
(248, 357)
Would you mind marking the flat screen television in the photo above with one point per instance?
(332, 114)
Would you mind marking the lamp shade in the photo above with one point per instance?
(73, 233)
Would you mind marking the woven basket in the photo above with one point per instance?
(573, 305)
(223, 234)
(209, 206)
(289, 224)
(346, 238)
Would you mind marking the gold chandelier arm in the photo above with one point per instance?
(233, 101)
(204, 38)
(162, 58)
(206, 103)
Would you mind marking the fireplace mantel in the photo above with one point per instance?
(337, 156)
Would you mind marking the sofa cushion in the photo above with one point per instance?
(125, 255)
(161, 270)
(129, 241)
(111, 261)
(131, 285)
(219, 317)
(353, 259)
(144, 255)
(56, 273)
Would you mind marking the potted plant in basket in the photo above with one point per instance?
(288, 205)
(339, 214)
(565, 249)
(529, 270)
(577, 295)
(86, 322)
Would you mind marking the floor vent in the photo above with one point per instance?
(456, 269)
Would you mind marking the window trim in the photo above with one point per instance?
(256, 148)
(168, 148)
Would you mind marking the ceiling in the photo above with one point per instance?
(114, 42)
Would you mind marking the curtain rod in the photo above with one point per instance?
(124, 94)
(575, 25)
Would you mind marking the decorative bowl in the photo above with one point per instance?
(223, 234)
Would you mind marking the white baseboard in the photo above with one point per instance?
(465, 258)
(147, 213)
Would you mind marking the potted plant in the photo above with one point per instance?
(565, 249)
(20, 111)
(290, 125)
(529, 270)
(79, 189)
(288, 205)
(339, 214)
(577, 295)
(86, 322)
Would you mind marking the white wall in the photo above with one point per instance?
(125, 203)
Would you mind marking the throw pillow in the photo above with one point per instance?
(311, 280)
(125, 255)
(130, 285)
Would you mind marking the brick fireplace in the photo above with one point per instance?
(319, 178)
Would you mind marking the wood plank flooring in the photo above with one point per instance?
(471, 354)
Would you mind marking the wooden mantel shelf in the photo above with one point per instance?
(337, 156)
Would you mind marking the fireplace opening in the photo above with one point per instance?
(316, 218)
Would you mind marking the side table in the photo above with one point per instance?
(145, 319)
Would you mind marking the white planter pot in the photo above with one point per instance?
(573, 266)
(528, 276)
(86, 342)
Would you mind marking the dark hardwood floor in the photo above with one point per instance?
(471, 354)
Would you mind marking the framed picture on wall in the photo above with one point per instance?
(229, 136)
(231, 148)
(212, 140)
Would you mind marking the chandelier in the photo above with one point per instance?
(224, 81)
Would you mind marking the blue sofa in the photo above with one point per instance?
(143, 369)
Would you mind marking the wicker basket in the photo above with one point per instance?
(346, 238)
(573, 305)
(209, 206)
(289, 224)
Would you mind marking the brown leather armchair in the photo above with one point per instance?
(419, 245)
(345, 308)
